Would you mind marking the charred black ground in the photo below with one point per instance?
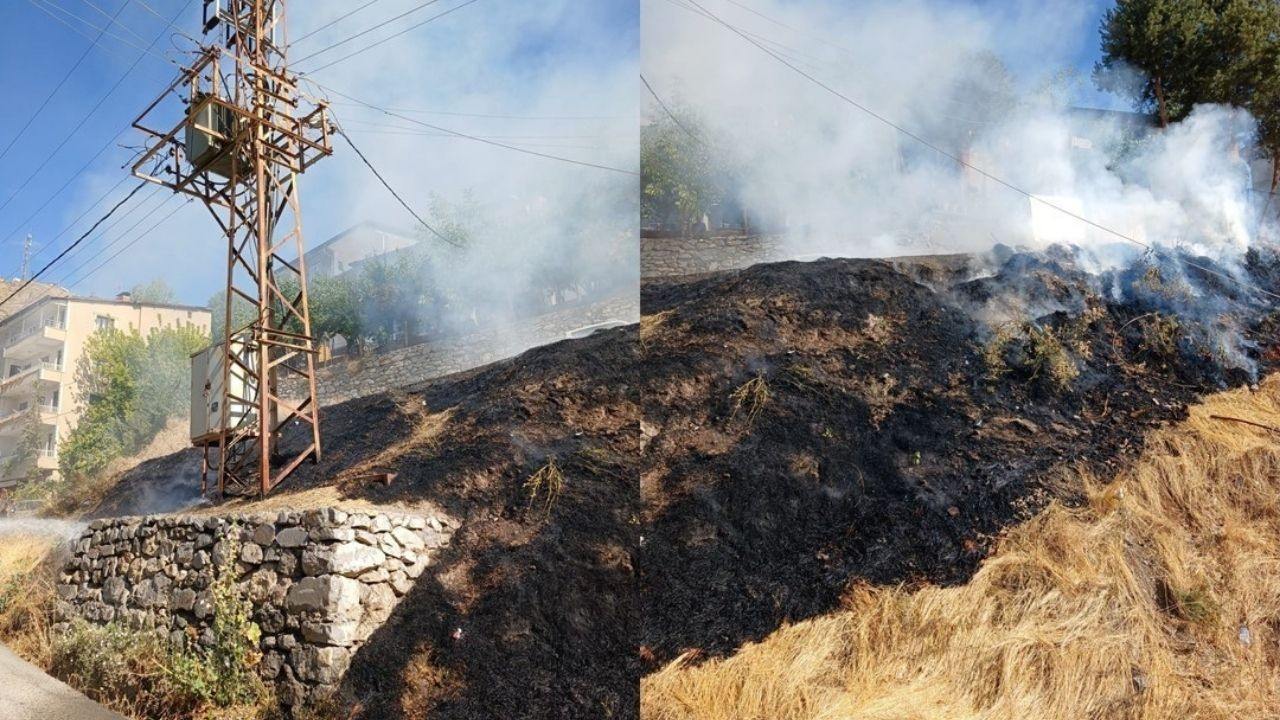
(812, 425)
(800, 427)
(531, 611)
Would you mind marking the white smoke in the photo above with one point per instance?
(40, 527)
(554, 77)
(841, 182)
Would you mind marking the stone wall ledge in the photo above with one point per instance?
(321, 581)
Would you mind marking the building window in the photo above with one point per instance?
(106, 322)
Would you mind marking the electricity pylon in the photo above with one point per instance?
(244, 136)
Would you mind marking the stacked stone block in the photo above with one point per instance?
(320, 581)
(669, 257)
(344, 380)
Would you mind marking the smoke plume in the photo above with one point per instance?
(984, 86)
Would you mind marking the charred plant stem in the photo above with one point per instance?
(1228, 418)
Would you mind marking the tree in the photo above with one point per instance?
(1246, 42)
(241, 313)
(459, 222)
(680, 171)
(164, 380)
(107, 376)
(1170, 42)
(156, 292)
(25, 453)
(130, 387)
(390, 293)
(335, 310)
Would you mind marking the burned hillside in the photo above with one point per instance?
(532, 604)
(813, 425)
(800, 427)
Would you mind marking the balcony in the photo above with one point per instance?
(40, 372)
(11, 424)
(35, 340)
(45, 459)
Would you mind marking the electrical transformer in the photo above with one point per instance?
(206, 391)
(202, 146)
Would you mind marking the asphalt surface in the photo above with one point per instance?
(26, 693)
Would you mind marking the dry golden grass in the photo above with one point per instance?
(27, 595)
(426, 684)
(752, 396)
(650, 324)
(424, 438)
(1158, 599)
(548, 482)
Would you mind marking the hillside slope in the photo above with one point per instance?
(532, 605)
(809, 426)
(1157, 598)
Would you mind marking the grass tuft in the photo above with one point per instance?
(752, 395)
(548, 482)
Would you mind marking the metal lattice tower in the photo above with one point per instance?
(26, 257)
(244, 135)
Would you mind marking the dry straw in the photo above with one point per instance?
(1159, 598)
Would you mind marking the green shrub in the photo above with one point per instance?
(1048, 357)
(123, 668)
(1037, 352)
(143, 674)
(225, 673)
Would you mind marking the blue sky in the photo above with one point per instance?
(550, 58)
(489, 57)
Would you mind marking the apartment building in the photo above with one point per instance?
(39, 348)
(351, 247)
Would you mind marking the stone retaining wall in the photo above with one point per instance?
(320, 581)
(375, 373)
(667, 257)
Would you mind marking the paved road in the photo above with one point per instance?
(26, 693)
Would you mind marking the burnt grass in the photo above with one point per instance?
(877, 447)
(887, 450)
(530, 612)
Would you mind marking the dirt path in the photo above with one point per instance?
(29, 694)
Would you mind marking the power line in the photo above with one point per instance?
(523, 144)
(120, 219)
(366, 32)
(76, 129)
(369, 124)
(334, 22)
(392, 37)
(44, 5)
(56, 88)
(667, 110)
(391, 190)
(144, 234)
(166, 21)
(994, 178)
(112, 18)
(65, 185)
(477, 138)
(77, 241)
(493, 116)
(73, 177)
